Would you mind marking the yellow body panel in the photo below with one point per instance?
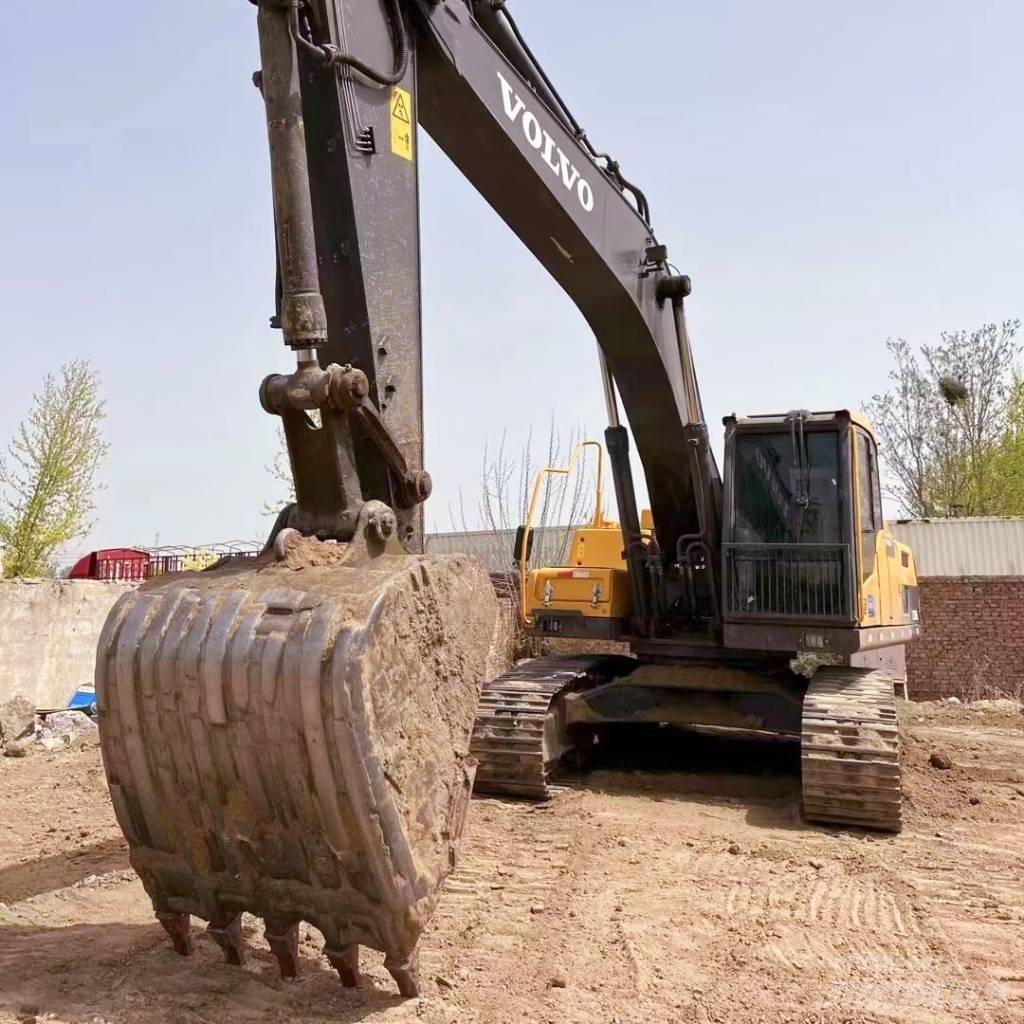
(595, 582)
(886, 580)
(598, 592)
(600, 547)
(881, 593)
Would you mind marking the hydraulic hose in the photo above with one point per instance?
(329, 56)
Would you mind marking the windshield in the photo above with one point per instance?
(783, 498)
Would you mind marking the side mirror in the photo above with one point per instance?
(517, 551)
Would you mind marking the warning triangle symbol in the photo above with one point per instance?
(400, 112)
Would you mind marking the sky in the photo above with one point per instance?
(830, 175)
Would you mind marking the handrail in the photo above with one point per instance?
(802, 581)
(597, 522)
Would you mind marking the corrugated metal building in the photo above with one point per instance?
(978, 546)
(494, 548)
(972, 607)
(469, 542)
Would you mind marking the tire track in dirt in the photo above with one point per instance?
(514, 859)
(655, 899)
(517, 906)
(831, 918)
(974, 892)
(830, 902)
(969, 873)
(724, 910)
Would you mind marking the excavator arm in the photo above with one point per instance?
(363, 74)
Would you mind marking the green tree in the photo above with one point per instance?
(1008, 463)
(48, 480)
(941, 423)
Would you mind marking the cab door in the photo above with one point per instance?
(874, 555)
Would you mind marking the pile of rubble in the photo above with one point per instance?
(23, 730)
(1001, 705)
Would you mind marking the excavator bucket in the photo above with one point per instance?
(291, 738)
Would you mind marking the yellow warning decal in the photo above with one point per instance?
(401, 123)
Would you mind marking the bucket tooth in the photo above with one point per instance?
(179, 927)
(227, 933)
(406, 973)
(291, 739)
(284, 945)
(346, 962)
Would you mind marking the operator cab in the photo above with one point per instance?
(807, 561)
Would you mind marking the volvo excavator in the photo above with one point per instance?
(298, 737)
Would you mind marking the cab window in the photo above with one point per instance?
(785, 495)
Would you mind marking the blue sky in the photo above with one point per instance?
(829, 175)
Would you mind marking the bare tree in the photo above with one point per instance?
(280, 471)
(506, 482)
(941, 422)
(48, 480)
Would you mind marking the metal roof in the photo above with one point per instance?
(981, 546)
(972, 546)
(494, 548)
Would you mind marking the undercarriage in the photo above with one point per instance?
(844, 719)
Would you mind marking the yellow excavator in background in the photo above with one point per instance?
(297, 736)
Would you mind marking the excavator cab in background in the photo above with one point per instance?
(298, 736)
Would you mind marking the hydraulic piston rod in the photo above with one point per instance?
(302, 314)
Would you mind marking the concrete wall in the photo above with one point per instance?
(971, 645)
(48, 635)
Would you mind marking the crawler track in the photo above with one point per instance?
(851, 750)
(518, 736)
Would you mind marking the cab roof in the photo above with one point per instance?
(817, 418)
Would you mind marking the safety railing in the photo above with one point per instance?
(123, 569)
(788, 580)
(146, 565)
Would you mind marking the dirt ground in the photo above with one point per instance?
(687, 895)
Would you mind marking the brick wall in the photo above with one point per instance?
(973, 638)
